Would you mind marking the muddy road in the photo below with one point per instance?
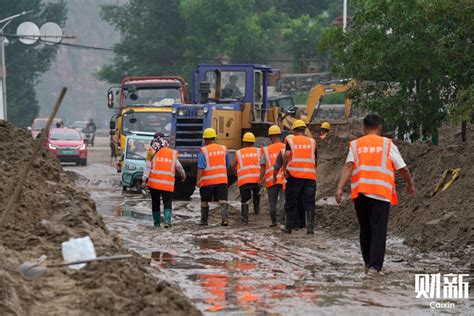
(256, 269)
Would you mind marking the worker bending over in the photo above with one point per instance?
(159, 175)
(370, 164)
(246, 164)
(213, 161)
(299, 167)
(274, 185)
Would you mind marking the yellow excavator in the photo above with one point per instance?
(337, 112)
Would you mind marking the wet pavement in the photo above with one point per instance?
(257, 270)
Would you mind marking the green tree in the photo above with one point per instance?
(24, 63)
(302, 37)
(415, 56)
(242, 30)
(152, 40)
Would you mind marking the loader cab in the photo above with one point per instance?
(244, 84)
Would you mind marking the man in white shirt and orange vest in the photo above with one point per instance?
(159, 175)
(370, 164)
(213, 161)
(247, 165)
(275, 190)
(299, 168)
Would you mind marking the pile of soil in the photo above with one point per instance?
(52, 210)
(441, 222)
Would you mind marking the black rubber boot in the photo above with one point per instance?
(204, 215)
(245, 214)
(256, 204)
(288, 222)
(310, 222)
(273, 218)
(156, 219)
(225, 214)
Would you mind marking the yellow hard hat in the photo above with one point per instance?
(249, 138)
(274, 130)
(326, 125)
(209, 133)
(298, 123)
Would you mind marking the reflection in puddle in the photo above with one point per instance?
(235, 276)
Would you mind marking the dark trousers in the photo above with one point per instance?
(251, 191)
(304, 191)
(276, 202)
(156, 197)
(373, 219)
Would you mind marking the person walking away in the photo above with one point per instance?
(159, 175)
(370, 164)
(113, 150)
(299, 167)
(92, 128)
(324, 130)
(298, 221)
(274, 185)
(213, 161)
(247, 165)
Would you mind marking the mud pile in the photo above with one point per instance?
(52, 210)
(440, 222)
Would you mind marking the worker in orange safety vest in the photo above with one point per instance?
(370, 165)
(247, 166)
(159, 176)
(213, 161)
(275, 191)
(299, 168)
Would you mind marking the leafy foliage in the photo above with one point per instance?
(152, 39)
(416, 55)
(162, 37)
(25, 63)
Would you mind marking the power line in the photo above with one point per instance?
(195, 59)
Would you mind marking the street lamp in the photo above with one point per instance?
(3, 72)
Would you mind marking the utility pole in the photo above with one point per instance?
(3, 70)
(344, 15)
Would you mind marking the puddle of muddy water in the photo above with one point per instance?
(245, 271)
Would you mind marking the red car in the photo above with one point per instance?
(67, 145)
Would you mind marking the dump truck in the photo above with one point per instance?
(232, 99)
(144, 106)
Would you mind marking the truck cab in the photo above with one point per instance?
(144, 105)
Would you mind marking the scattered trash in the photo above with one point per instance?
(78, 249)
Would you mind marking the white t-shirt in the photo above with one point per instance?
(395, 157)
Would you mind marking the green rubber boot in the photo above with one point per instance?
(156, 219)
(167, 217)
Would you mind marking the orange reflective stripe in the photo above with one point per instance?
(216, 168)
(163, 170)
(271, 153)
(302, 163)
(373, 171)
(248, 165)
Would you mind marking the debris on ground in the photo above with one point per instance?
(52, 210)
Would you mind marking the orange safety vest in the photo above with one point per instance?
(373, 171)
(302, 163)
(271, 153)
(163, 170)
(216, 168)
(248, 165)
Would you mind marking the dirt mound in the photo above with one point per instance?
(442, 222)
(52, 210)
